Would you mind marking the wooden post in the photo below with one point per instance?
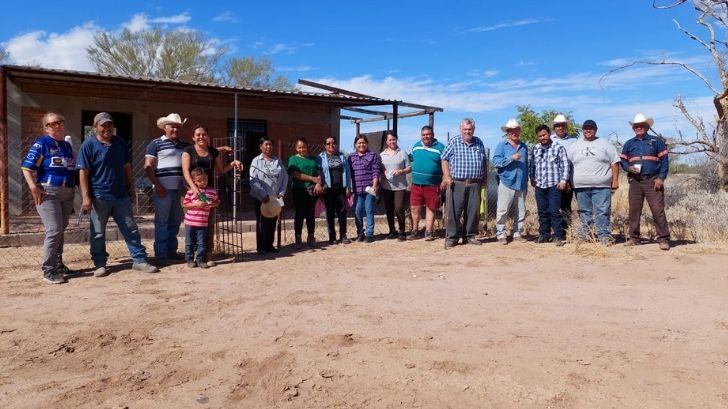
(358, 129)
(280, 215)
(432, 120)
(395, 115)
(4, 190)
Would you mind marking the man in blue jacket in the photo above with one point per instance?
(646, 162)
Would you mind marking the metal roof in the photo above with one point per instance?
(26, 72)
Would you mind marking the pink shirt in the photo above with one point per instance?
(197, 216)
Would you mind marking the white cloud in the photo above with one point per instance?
(141, 21)
(281, 48)
(54, 50)
(226, 16)
(523, 63)
(506, 24)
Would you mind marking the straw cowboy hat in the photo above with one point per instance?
(271, 208)
(171, 119)
(641, 119)
(511, 124)
(560, 119)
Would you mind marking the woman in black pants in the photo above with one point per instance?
(396, 166)
(335, 186)
(304, 172)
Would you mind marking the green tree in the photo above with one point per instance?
(252, 72)
(530, 119)
(156, 53)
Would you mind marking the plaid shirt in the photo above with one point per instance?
(549, 165)
(364, 168)
(465, 161)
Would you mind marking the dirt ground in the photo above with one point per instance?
(382, 325)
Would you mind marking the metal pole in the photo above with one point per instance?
(395, 114)
(236, 182)
(4, 185)
(280, 215)
(432, 119)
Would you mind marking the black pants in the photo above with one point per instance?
(265, 229)
(394, 206)
(305, 206)
(566, 198)
(549, 213)
(335, 202)
(463, 202)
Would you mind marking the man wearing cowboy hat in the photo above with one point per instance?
(561, 137)
(511, 161)
(646, 162)
(464, 171)
(163, 166)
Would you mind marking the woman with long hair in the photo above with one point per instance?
(365, 167)
(396, 166)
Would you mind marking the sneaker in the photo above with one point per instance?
(450, 243)
(202, 264)
(101, 271)
(191, 264)
(211, 263)
(344, 240)
(429, 236)
(360, 238)
(369, 239)
(332, 242)
(559, 242)
(503, 241)
(631, 242)
(542, 239)
(53, 278)
(401, 237)
(473, 241)
(311, 241)
(144, 267)
(392, 236)
(664, 245)
(271, 250)
(519, 239)
(415, 235)
(64, 270)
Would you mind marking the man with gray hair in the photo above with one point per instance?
(107, 188)
(464, 171)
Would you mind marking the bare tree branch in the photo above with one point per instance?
(668, 6)
(663, 62)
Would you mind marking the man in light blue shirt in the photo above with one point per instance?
(561, 137)
(511, 161)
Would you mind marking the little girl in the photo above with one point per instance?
(198, 210)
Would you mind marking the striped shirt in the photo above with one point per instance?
(549, 165)
(426, 166)
(168, 154)
(465, 160)
(364, 169)
(197, 216)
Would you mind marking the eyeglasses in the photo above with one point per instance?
(54, 124)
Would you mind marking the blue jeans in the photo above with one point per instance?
(167, 219)
(595, 208)
(364, 206)
(120, 210)
(548, 202)
(195, 238)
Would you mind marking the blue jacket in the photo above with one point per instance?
(513, 174)
(323, 164)
(649, 151)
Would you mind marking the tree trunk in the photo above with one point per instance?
(722, 126)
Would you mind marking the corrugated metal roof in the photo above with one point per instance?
(37, 71)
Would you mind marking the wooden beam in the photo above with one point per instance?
(381, 118)
(334, 89)
(431, 122)
(368, 111)
(395, 111)
(351, 118)
(411, 105)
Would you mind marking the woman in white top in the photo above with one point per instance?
(395, 167)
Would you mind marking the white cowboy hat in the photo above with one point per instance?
(641, 119)
(511, 124)
(560, 119)
(171, 119)
(271, 208)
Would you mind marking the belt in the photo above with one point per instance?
(64, 184)
(468, 181)
(641, 177)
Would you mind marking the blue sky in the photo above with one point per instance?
(476, 59)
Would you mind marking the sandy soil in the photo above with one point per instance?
(384, 325)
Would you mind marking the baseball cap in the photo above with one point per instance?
(102, 118)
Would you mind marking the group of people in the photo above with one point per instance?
(558, 167)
